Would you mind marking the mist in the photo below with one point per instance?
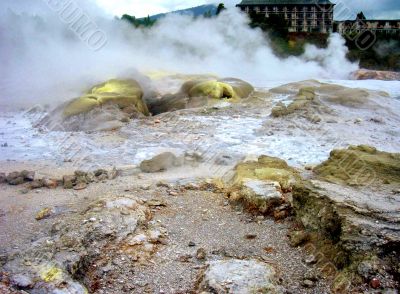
(45, 61)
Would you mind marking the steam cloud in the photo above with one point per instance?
(44, 61)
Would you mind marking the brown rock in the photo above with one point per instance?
(99, 172)
(365, 74)
(69, 181)
(159, 163)
(201, 254)
(36, 184)
(49, 183)
(44, 213)
(375, 283)
(280, 214)
(16, 181)
(28, 175)
(297, 238)
(251, 236)
(15, 178)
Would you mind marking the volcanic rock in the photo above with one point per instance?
(159, 163)
(238, 276)
(365, 74)
(267, 168)
(200, 92)
(360, 165)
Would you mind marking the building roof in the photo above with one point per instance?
(277, 2)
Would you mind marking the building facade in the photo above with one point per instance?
(301, 15)
(357, 26)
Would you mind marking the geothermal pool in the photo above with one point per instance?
(235, 135)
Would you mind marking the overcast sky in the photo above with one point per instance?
(139, 8)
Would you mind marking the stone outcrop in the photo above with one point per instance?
(81, 247)
(360, 165)
(262, 186)
(18, 178)
(160, 162)
(350, 232)
(267, 168)
(365, 74)
(259, 196)
(122, 93)
(313, 99)
(202, 92)
(106, 106)
(238, 276)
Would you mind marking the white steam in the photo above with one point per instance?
(43, 60)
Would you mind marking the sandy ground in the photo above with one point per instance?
(223, 137)
(202, 217)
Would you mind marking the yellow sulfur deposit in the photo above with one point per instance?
(269, 169)
(51, 274)
(360, 165)
(213, 89)
(122, 93)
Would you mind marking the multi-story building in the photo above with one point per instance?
(361, 25)
(301, 15)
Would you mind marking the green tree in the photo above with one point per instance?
(361, 16)
(220, 8)
(139, 22)
(129, 18)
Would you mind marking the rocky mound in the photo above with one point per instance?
(105, 106)
(238, 276)
(84, 246)
(122, 93)
(202, 92)
(365, 74)
(360, 165)
(262, 186)
(267, 168)
(350, 232)
(352, 239)
(312, 99)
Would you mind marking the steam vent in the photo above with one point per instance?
(214, 151)
(301, 15)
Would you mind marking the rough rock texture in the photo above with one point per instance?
(106, 106)
(68, 261)
(313, 99)
(260, 195)
(238, 277)
(349, 226)
(202, 92)
(160, 162)
(360, 165)
(301, 101)
(267, 168)
(123, 93)
(18, 178)
(365, 74)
